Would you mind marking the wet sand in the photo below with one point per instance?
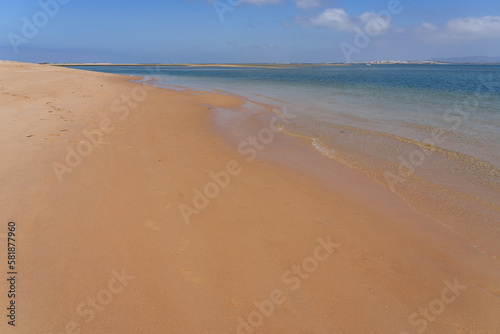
(103, 175)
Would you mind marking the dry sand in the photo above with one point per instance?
(106, 249)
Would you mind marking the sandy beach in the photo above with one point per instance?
(134, 213)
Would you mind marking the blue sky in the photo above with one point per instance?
(194, 31)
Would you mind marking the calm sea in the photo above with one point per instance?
(431, 133)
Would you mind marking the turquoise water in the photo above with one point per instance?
(443, 119)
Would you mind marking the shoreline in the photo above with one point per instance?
(118, 209)
(427, 190)
(443, 210)
(262, 65)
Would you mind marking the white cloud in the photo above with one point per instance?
(480, 26)
(371, 18)
(468, 28)
(427, 27)
(335, 18)
(338, 19)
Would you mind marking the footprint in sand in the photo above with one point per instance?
(303, 189)
(326, 223)
(370, 270)
(180, 249)
(166, 206)
(236, 304)
(121, 147)
(152, 225)
(188, 275)
(160, 191)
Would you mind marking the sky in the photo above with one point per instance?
(246, 31)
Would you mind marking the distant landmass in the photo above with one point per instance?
(468, 60)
